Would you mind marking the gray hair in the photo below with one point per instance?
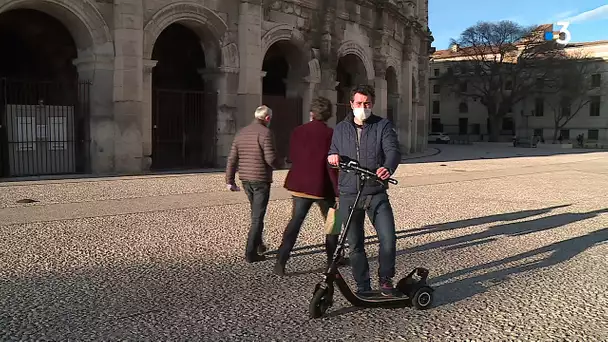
(262, 112)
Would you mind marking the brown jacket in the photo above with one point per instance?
(253, 153)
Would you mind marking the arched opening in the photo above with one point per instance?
(349, 73)
(183, 105)
(284, 67)
(43, 106)
(392, 93)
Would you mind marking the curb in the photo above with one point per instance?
(437, 151)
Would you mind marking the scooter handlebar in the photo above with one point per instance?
(353, 165)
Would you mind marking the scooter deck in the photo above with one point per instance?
(371, 298)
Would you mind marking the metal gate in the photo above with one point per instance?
(183, 129)
(286, 116)
(44, 128)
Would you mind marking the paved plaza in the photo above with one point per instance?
(516, 245)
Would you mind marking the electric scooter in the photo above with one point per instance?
(410, 291)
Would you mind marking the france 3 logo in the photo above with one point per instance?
(563, 36)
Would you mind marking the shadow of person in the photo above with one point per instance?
(454, 291)
(509, 229)
(514, 216)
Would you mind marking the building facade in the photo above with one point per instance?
(466, 119)
(125, 86)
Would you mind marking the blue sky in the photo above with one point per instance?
(588, 18)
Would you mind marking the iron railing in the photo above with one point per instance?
(184, 126)
(44, 127)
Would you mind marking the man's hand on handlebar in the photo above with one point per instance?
(383, 173)
(333, 159)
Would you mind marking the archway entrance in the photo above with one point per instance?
(183, 108)
(349, 73)
(44, 109)
(281, 91)
(392, 95)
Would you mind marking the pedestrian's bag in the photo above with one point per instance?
(333, 224)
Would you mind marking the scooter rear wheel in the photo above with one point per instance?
(423, 298)
(321, 301)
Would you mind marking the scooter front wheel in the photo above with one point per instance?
(321, 301)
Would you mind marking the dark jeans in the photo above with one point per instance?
(258, 194)
(300, 208)
(380, 213)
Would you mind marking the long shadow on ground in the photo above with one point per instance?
(454, 291)
(401, 234)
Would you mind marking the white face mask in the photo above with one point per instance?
(362, 113)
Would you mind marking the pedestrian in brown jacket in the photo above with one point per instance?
(253, 154)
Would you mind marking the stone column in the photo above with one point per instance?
(146, 119)
(250, 55)
(381, 94)
(128, 90)
(405, 107)
(309, 87)
(327, 88)
(223, 80)
(99, 70)
(393, 102)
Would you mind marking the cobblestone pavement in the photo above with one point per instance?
(516, 248)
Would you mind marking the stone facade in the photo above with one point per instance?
(115, 41)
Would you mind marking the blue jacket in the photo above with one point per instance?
(379, 146)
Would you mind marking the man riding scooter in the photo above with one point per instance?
(373, 142)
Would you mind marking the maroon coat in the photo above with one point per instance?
(310, 173)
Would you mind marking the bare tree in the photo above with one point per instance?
(498, 64)
(573, 88)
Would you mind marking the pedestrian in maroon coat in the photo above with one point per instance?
(310, 179)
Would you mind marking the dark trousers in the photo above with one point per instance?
(300, 208)
(380, 213)
(258, 194)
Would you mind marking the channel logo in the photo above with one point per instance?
(562, 36)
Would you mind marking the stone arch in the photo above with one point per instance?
(210, 28)
(351, 47)
(84, 22)
(289, 34)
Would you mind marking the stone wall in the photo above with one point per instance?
(115, 41)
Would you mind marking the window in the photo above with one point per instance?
(593, 134)
(565, 133)
(436, 72)
(594, 106)
(463, 126)
(463, 107)
(507, 124)
(436, 125)
(436, 107)
(539, 107)
(436, 88)
(596, 80)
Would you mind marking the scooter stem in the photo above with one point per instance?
(344, 231)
